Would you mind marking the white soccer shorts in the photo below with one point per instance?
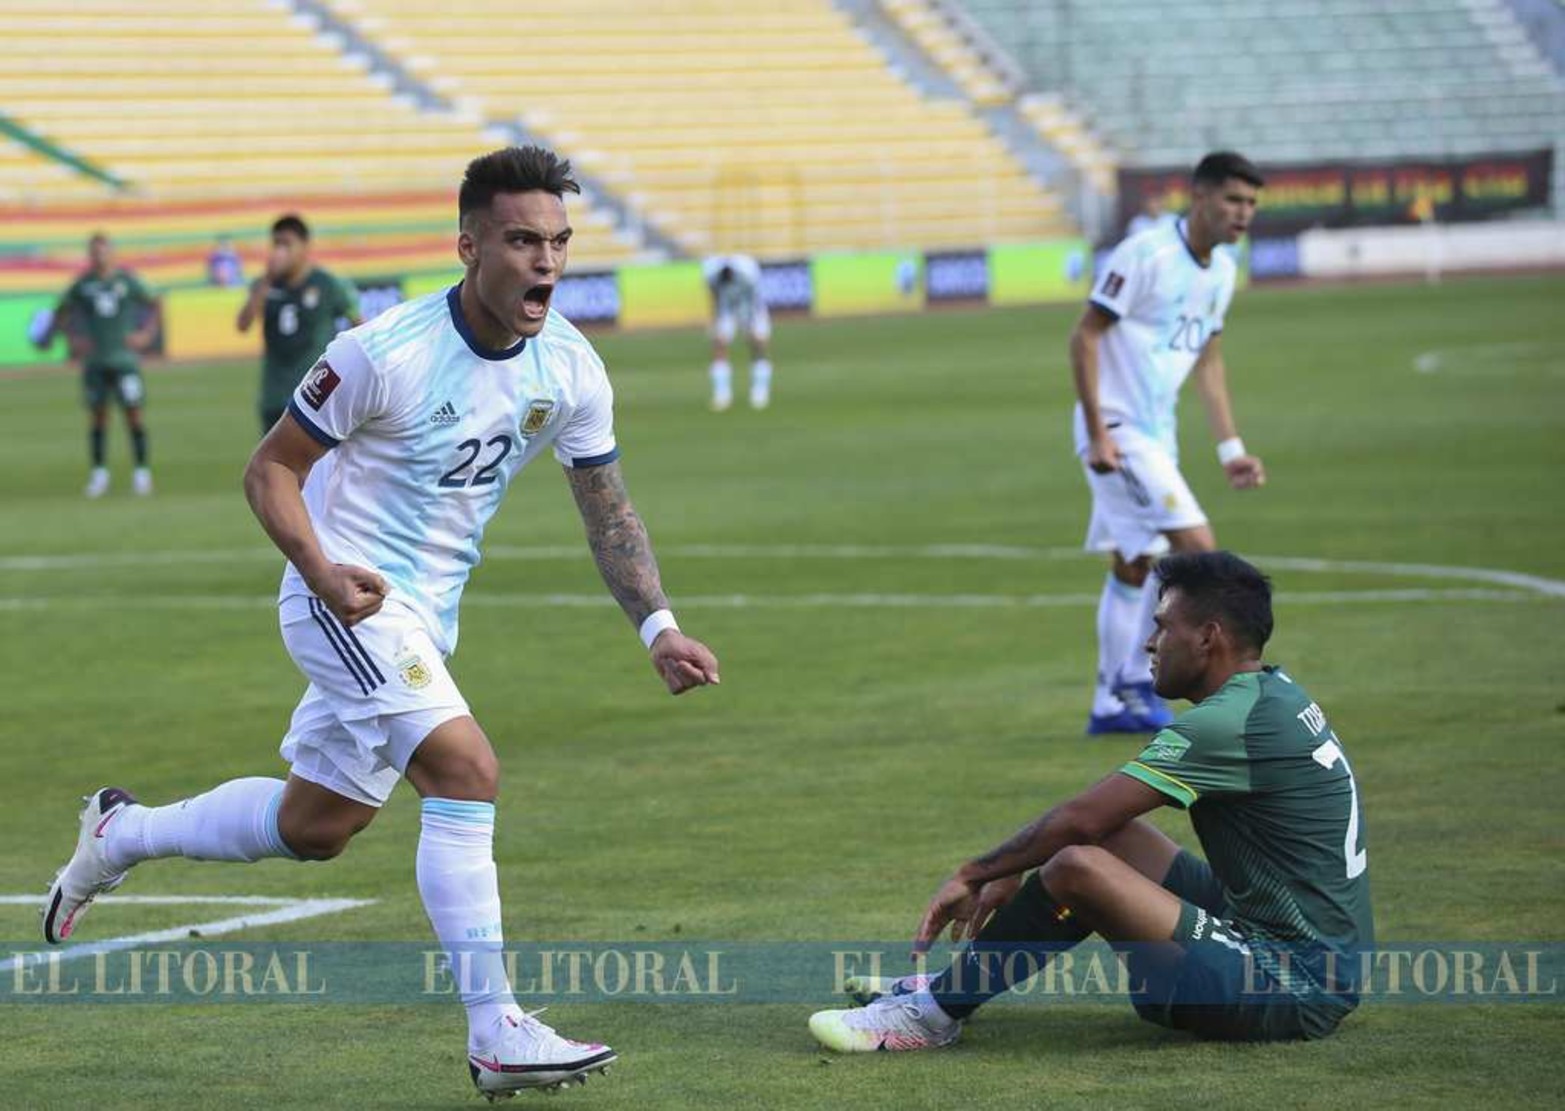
(1133, 507)
(758, 326)
(376, 691)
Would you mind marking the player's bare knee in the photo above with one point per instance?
(472, 774)
(1069, 871)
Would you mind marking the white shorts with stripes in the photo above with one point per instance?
(1134, 506)
(376, 691)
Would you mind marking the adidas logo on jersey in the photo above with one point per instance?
(446, 414)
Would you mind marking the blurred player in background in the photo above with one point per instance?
(395, 452)
(301, 304)
(1151, 215)
(737, 304)
(1260, 941)
(1155, 317)
(224, 267)
(108, 317)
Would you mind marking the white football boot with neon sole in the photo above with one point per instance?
(88, 874)
(893, 1023)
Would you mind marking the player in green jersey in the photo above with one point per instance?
(300, 304)
(1258, 942)
(109, 316)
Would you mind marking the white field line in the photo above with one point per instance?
(500, 552)
(284, 910)
(1482, 354)
(490, 600)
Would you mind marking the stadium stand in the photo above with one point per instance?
(931, 27)
(218, 117)
(1294, 80)
(775, 131)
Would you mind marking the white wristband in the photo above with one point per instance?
(1230, 449)
(655, 623)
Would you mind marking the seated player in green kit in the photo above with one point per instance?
(1254, 943)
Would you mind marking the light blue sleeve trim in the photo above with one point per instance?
(461, 810)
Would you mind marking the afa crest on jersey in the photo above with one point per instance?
(413, 671)
(539, 412)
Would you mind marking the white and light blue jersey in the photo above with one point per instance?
(1166, 307)
(427, 429)
(739, 296)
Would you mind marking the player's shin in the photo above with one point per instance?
(234, 821)
(461, 892)
(1011, 949)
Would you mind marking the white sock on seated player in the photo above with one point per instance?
(235, 821)
(1119, 618)
(461, 893)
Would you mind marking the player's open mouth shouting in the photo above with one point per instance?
(535, 302)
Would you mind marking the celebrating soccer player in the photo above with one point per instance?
(397, 449)
(734, 282)
(1155, 316)
(1258, 942)
(108, 317)
(301, 303)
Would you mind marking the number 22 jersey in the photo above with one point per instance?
(427, 428)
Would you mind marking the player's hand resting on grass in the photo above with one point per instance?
(352, 593)
(683, 662)
(1245, 472)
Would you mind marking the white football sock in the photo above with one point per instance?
(1119, 615)
(1137, 667)
(761, 375)
(234, 821)
(461, 893)
(722, 373)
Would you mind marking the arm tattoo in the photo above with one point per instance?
(618, 540)
(1019, 844)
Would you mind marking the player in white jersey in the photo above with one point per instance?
(399, 447)
(735, 284)
(1154, 318)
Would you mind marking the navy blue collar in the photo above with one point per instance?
(454, 302)
(1179, 228)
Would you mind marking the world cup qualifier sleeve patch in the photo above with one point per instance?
(319, 384)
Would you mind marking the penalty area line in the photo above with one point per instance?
(281, 910)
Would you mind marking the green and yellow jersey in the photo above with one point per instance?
(298, 322)
(106, 310)
(1275, 805)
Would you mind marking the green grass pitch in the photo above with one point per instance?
(854, 752)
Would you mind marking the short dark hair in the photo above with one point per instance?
(1221, 165)
(1221, 585)
(514, 170)
(291, 224)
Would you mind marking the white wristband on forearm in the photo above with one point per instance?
(655, 623)
(1230, 449)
